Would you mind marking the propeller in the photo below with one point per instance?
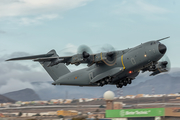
(83, 54)
(107, 48)
(84, 50)
(110, 54)
(165, 63)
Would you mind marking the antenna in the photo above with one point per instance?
(163, 38)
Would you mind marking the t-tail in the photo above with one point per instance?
(50, 62)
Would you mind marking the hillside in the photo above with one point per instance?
(162, 84)
(4, 99)
(23, 95)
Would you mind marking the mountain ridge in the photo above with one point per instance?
(23, 95)
(161, 84)
(4, 99)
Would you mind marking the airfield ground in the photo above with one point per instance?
(84, 107)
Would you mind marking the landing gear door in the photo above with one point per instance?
(91, 75)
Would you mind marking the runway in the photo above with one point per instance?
(51, 106)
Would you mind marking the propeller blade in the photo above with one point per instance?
(166, 62)
(107, 48)
(84, 50)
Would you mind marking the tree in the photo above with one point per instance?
(96, 117)
(37, 114)
(20, 114)
(80, 118)
(101, 106)
(97, 110)
(60, 116)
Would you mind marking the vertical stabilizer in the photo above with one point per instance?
(55, 71)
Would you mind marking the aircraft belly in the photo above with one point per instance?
(75, 78)
(110, 72)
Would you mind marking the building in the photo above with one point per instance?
(67, 113)
(115, 111)
(145, 114)
(96, 115)
(1, 115)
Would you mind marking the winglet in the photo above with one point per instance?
(163, 38)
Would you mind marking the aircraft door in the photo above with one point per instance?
(133, 61)
(137, 56)
(91, 75)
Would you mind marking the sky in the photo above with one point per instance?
(30, 27)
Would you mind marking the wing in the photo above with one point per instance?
(54, 60)
(31, 57)
(109, 58)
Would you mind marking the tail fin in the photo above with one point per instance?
(45, 59)
(57, 70)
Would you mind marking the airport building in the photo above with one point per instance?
(115, 111)
(67, 113)
(144, 114)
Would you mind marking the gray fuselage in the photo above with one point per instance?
(131, 60)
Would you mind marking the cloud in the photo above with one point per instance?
(149, 8)
(139, 7)
(34, 11)
(37, 20)
(2, 32)
(11, 8)
(14, 85)
(18, 54)
(16, 75)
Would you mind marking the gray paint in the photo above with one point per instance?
(141, 57)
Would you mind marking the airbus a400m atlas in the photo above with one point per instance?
(114, 67)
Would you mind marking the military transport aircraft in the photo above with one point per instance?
(113, 67)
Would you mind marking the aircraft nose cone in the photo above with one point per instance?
(162, 48)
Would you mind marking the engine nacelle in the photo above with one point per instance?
(159, 68)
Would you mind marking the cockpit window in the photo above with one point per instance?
(153, 43)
